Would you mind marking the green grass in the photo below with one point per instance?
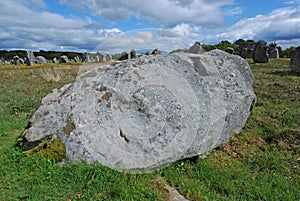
(260, 163)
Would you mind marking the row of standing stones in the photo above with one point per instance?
(31, 59)
(259, 54)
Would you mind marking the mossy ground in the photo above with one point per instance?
(260, 163)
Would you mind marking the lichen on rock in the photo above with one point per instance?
(145, 113)
(53, 149)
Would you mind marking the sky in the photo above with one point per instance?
(121, 25)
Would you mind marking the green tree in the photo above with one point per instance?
(287, 52)
(224, 44)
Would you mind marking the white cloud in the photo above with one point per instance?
(28, 25)
(167, 13)
(281, 26)
(292, 2)
(24, 27)
(163, 39)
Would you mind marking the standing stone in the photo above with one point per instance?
(76, 59)
(86, 58)
(295, 60)
(63, 59)
(133, 54)
(124, 56)
(156, 51)
(30, 58)
(108, 57)
(2, 60)
(16, 60)
(247, 53)
(260, 53)
(196, 48)
(274, 54)
(103, 57)
(40, 60)
(21, 61)
(145, 113)
(229, 50)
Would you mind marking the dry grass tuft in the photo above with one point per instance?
(51, 74)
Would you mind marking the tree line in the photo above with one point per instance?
(241, 44)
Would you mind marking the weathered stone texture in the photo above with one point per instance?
(260, 53)
(295, 60)
(144, 113)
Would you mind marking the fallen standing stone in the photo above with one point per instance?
(143, 114)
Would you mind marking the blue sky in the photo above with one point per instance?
(122, 25)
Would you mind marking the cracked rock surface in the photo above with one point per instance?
(145, 113)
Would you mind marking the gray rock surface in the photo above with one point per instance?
(86, 58)
(155, 51)
(132, 54)
(123, 56)
(40, 60)
(104, 57)
(247, 53)
(63, 59)
(196, 48)
(77, 59)
(30, 58)
(260, 53)
(21, 61)
(142, 114)
(96, 57)
(16, 60)
(295, 60)
(229, 50)
(274, 54)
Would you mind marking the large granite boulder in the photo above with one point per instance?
(21, 61)
(40, 60)
(260, 53)
(196, 48)
(63, 59)
(145, 113)
(16, 60)
(155, 51)
(124, 56)
(229, 50)
(295, 60)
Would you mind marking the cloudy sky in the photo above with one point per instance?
(119, 25)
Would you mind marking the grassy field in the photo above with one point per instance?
(260, 163)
